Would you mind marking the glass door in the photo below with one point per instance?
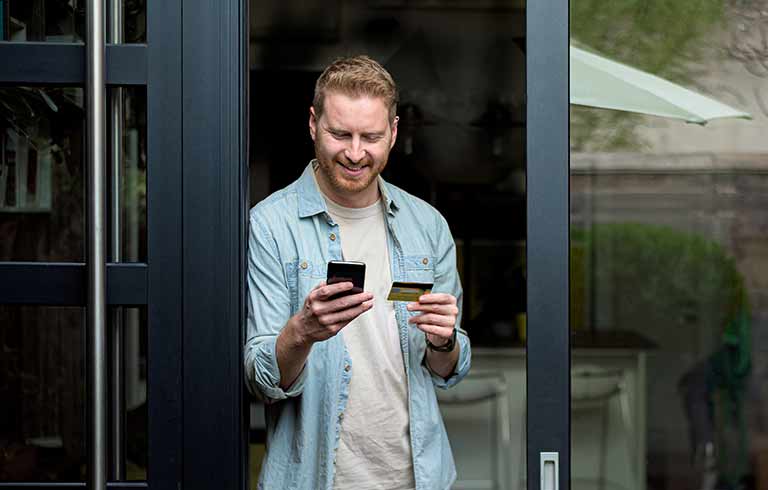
(483, 138)
(669, 250)
(460, 68)
(49, 419)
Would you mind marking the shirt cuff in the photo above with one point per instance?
(267, 374)
(461, 368)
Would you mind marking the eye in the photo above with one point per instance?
(373, 138)
(338, 135)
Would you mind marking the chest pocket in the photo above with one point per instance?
(302, 276)
(420, 268)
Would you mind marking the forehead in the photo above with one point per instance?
(355, 112)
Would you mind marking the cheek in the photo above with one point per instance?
(380, 152)
(328, 148)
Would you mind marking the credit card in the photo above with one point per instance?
(408, 291)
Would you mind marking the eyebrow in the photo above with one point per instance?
(376, 134)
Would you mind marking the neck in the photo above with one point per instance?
(360, 199)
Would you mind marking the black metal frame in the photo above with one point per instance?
(165, 113)
(548, 199)
(49, 63)
(157, 283)
(64, 284)
(44, 486)
(215, 172)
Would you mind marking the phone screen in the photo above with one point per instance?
(342, 271)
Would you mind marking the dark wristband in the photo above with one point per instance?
(447, 347)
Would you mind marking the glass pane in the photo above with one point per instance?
(130, 181)
(133, 324)
(63, 21)
(42, 385)
(42, 149)
(42, 155)
(669, 250)
(134, 20)
(460, 70)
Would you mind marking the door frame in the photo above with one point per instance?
(211, 54)
(215, 198)
(548, 205)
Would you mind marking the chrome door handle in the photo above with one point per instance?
(550, 471)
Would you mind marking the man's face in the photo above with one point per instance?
(353, 138)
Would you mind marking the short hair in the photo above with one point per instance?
(356, 76)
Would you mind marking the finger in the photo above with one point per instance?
(431, 318)
(319, 286)
(439, 298)
(328, 290)
(343, 303)
(440, 309)
(435, 330)
(347, 315)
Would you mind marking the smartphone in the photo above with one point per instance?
(342, 271)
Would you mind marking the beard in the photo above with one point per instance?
(342, 183)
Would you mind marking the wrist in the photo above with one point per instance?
(447, 345)
(293, 336)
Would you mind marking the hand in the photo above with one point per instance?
(438, 318)
(321, 318)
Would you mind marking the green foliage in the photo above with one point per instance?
(663, 37)
(682, 291)
(653, 278)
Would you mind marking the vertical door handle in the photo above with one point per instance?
(550, 471)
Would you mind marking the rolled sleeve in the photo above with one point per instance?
(447, 281)
(264, 373)
(462, 365)
(269, 309)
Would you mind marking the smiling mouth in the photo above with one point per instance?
(352, 169)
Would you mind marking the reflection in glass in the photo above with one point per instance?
(133, 177)
(42, 388)
(460, 147)
(669, 258)
(134, 325)
(42, 436)
(42, 183)
(62, 21)
(41, 174)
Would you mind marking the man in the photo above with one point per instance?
(349, 383)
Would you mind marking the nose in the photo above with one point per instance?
(355, 151)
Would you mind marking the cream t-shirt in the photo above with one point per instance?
(374, 449)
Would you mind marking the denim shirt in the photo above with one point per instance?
(291, 239)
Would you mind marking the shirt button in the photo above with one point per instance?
(347, 368)
(333, 237)
(425, 261)
(341, 416)
(303, 265)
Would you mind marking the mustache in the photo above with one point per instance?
(362, 163)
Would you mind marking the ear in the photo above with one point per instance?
(312, 123)
(394, 131)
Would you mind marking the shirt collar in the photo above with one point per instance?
(311, 201)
